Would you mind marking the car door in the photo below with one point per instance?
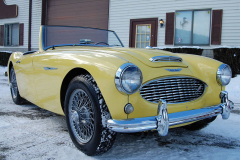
(25, 77)
(48, 80)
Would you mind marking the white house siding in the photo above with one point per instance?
(23, 9)
(36, 22)
(120, 13)
(23, 17)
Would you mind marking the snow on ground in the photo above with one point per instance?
(2, 70)
(28, 132)
(233, 89)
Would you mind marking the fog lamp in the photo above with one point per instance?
(128, 108)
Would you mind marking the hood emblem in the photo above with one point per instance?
(165, 59)
(174, 70)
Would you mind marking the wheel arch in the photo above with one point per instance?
(67, 79)
(9, 68)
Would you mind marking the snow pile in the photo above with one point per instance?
(2, 70)
(196, 47)
(7, 52)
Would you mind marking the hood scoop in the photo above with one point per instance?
(165, 59)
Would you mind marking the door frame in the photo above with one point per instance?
(146, 21)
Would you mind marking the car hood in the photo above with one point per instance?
(144, 55)
(128, 54)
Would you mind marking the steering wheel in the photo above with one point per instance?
(102, 42)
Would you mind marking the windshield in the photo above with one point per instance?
(54, 36)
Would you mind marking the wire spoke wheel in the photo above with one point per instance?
(86, 116)
(81, 116)
(13, 83)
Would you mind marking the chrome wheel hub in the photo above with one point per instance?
(81, 116)
(75, 117)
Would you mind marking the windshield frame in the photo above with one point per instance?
(58, 45)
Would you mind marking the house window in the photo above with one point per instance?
(192, 27)
(143, 35)
(11, 34)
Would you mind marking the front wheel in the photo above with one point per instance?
(86, 116)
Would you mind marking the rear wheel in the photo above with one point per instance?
(17, 99)
(200, 124)
(86, 115)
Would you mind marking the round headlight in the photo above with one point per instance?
(128, 78)
(224, 74)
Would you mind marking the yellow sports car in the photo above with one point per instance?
(103, 88)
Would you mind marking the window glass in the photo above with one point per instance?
(7, 36)
(0, 37)
(201, 27)
(143, 35)
(11, 34)
(192, 27)
(15, 35)
(143, 38)
(183, 30)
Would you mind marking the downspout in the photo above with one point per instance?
(30, 26)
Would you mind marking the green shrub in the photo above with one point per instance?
(4, 56)
(195, 51)
(230, 56)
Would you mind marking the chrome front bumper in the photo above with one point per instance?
(163, 120)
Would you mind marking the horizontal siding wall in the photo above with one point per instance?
(23, 6)
(36, 22)
(23, 15)
(120, 13)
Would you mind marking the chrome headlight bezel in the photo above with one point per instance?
(221, 68)
(118, 78)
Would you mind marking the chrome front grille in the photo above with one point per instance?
(173, 89)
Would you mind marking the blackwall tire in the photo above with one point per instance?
(86, 116)
(200, 124)
(17, 99)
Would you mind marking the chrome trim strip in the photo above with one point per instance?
(205, 86)
(165, 59)
(50, 68)
(174, 70)
(194, 115)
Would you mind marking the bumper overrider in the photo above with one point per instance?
(163, 120)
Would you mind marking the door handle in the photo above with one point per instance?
(18, 61)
